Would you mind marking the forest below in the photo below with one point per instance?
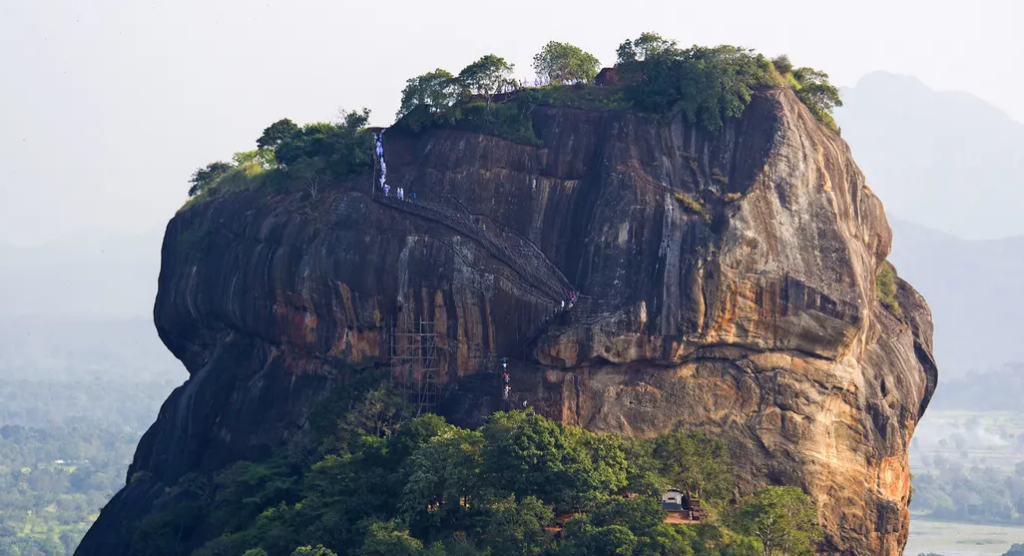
(75, 397)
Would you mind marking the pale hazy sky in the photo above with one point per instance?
(107, 106)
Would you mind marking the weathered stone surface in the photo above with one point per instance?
(727, 284)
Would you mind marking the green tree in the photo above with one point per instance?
(782, 518)
(646, 47)
(782, 64)
(204, 177)
(642, 473)
(318, 550)
(264, 158)
(389, 539)
(562, 63)
(255, 552)
(643, 517)
(515, 529)
(444, 478)
(488, 76)
(694, 462)
(278, 132)
(709, 85)
(308, 171)
(587, 540)
(342, 146)
(529, 455)
(435, 92)
(818, 95)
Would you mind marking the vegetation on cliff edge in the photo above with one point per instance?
(363, 481)
(708, 85)
(885, 288)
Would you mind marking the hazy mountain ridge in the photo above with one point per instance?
(945, 160)
(972, 287)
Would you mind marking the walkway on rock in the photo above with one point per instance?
(518, 253)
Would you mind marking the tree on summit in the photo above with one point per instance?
(487, 77)
(435, 91)
(278, 132)
(645, 47)
(205, 177)
(818, 94)
(782, 64)
(563, 63)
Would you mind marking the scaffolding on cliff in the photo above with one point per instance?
(413, 356)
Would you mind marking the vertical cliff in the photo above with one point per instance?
(727, 283)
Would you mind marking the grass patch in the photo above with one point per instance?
(692, 206)
(250, 175)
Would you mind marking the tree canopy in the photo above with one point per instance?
(435, 91)
(207, 176)
(563, 63)
(364, 482)
(707, 85)
(278, 132)
(783, 519)
(820, 96)
(488, 76)
(696, 463)
(647, 46)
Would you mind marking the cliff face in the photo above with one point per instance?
(727, 282)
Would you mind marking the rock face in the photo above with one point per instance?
(727, 282)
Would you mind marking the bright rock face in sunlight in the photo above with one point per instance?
(726, 281)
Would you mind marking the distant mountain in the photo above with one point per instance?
(88, 276)
(944, 160)
(974, 290)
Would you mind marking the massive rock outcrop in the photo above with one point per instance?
(727, 283)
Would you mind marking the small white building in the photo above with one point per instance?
(672, 500)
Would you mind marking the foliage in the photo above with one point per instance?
(62, 460)
(365, 482)
(320, 152)
(488, 76)
(278, 132)
(263, 158)
(53, 480)
(970, 494)
(782, 518)
(647, 46)
(709, 85)
(388, 539)
(204, 177)
(626, 526)
(714, 84)
(692, 206)
(531, 456)
(433, 93)
(695, 463)
(782, 64)
(885, 288)
(820, 96)
(563, 63)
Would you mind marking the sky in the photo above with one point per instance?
(109, 105)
